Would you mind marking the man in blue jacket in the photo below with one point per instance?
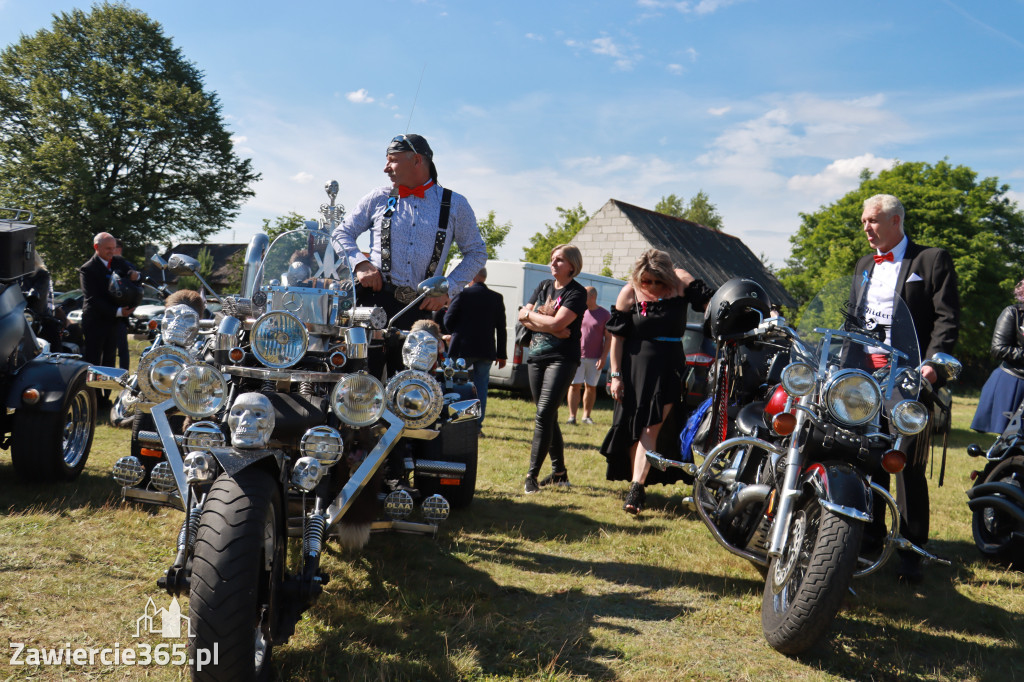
(476, 318)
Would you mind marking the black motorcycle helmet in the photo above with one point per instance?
(126, 293)
(738, 306)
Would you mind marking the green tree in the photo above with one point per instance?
(562, 232)
(946, 206)
(670, 205)
(281, 224)
(107, 127)
(493, 234)
(698, 210)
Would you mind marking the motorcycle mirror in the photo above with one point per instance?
(947, 362)
(434, 286)
(179, 264)
(159, 262)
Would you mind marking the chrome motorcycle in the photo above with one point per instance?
(996, 499)
(286, 435)
(788, 482)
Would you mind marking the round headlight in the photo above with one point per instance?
(162, 478)
(279, 339)
(157, 370)
(420, 350)
(358, 399)
(323, 444)
(199, 390)
(129, 471)
(853, 397)
(203, 436)
(415, 397)
(910, 417)
(798, 379)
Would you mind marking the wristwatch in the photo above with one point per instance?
(615, 375)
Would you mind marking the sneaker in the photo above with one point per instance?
(571, 420)
(530, 486)
(588, 420)
(560, 479)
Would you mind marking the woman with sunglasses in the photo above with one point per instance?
(646, 364)
(555, 316)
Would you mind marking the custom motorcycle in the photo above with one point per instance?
(997, 496)
(50, 414)
(788, 482)
(286, 435)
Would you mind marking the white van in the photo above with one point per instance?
(516, 281)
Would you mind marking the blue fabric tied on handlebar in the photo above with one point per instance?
(690, 430)
(671, 339)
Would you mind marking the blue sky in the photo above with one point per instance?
(772, 108)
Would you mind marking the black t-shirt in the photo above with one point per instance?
(572, 296)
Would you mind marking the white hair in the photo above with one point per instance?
(888, 204)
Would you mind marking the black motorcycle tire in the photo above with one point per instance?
(796, 616)
(994, 530)
(457, 443)
(54, 446)
(237, 573)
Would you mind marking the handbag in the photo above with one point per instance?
(523, 335)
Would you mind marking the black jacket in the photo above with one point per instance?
(1008, 340)
(475, 317)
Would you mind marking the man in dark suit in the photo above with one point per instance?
(925, 279)
(100, 311)
(475, 318)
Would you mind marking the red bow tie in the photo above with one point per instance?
(404, 191)
(883, 258)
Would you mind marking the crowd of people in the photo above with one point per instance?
(572, 339)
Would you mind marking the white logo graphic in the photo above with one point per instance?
(164, 622)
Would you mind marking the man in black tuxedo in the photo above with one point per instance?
(475, 317)
(925, 279)
(100, 311)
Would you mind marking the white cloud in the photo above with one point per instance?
(839, 177)
(719, 111)
(675, 69)
(605, 46)
(687, 7)
(692, 54)
(302, 178)
(534, 36)
(360, 96)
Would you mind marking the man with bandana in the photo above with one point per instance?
(413, 224)
(925, 279)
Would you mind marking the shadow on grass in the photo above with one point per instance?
(88, 490)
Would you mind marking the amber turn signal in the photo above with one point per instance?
(893, 461)
(783, 423)
(236, 354)
(31, 396)
(153, 325)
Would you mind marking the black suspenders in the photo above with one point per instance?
(385, 234)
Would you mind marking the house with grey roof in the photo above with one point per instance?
(619, 232)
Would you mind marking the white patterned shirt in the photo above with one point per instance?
(413, 231)
(882, 289)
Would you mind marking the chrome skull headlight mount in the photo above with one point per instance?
(157, 370)
(853, 397)
(415, 397)
(420, 351)
(199, 467)
(358, 399)
(199, 390)
(180, 325)
(306, 473)
(251, 420)
(279, 339)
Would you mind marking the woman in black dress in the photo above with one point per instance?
(647, 360)
(1004, 389)
(555, 316)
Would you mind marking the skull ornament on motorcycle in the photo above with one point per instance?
(180, 325)
(251, 420)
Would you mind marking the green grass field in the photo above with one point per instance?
(562, 585)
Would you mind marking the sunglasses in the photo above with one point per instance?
(651, 283)
(406, 140)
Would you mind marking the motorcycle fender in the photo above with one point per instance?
(840, 488)
(51, 377)
(233, 460)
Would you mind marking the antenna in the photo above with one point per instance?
(415, 97)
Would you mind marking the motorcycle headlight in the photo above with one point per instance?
(162, 478)
(203, 436)
(199, 390)
(279, 339)
(157, 370)
(798, 379)
(323, 444)
(128, 471)
(420, 350)
(910, 417)
(358, 399)
(853, 397)
(415, 397)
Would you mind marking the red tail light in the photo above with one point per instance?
(517, 354)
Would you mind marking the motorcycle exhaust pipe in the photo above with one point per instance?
(742, 499)
(1000, 504)
(997, 488)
